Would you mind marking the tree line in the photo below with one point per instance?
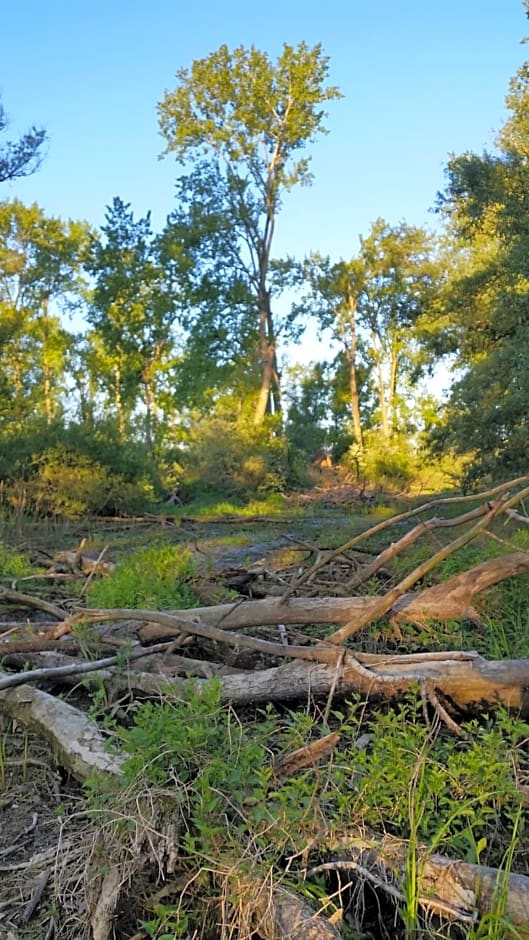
(128, 350)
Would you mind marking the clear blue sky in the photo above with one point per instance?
(421, 79)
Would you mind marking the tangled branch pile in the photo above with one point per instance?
(156, 797)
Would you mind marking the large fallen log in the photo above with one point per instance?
(466, 681)
(448, 601)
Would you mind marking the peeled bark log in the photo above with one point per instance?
(447, 601)
(464, 680)
(76, 741)
(455, 890)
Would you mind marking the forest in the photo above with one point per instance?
(263, 625)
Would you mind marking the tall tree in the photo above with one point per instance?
(251, 118)
(201, 264)
(398, 286)
(132, 315)
(334, 289)
(486, 206)
(40, 261)
(23, 156)
(372, 305)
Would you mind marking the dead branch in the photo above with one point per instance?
(76, 668)
(29, 600)
(385, 603)
(402, 517)
(408, 539)
(307, 756)
(179, 625)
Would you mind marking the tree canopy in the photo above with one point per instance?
(250, 118)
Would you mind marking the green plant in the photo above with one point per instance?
(230, 458)
(13, 564)
(156, 577)
(193, 762)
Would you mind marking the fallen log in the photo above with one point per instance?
(76, 740)
(466, 681)
(448, 601)
(453, 889)
(278, 914)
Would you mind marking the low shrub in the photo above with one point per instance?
(158, 577)
(229, 457)
(13, 564)
(193, 762)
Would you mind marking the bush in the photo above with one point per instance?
(74, 470)
(235, 458)
(398, 463)
(156, 578)
(13, 564)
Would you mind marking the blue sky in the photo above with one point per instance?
(421, 79)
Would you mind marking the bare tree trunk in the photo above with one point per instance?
(381, 391)
(268, 401)
(149, 409)
(118, 401)
(350, 345)
(394, 371)
(48, 407)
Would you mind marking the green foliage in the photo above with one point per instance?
(397, 464)
(235, 816)
(158, 577)
(39, 267)
(243, 120)
(319, 407)
(13, 564)
(486, 300)
(69, 484)
(467, 791)
(235, 457)
(75, 469)
(132, 312)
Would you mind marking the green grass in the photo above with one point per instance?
(275, 504)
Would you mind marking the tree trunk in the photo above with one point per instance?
(268, 401)
(447, 601)
(46, 371)
(381, 391)
(350, 355)
(149, 400)
(118, 401)
(394, 371)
